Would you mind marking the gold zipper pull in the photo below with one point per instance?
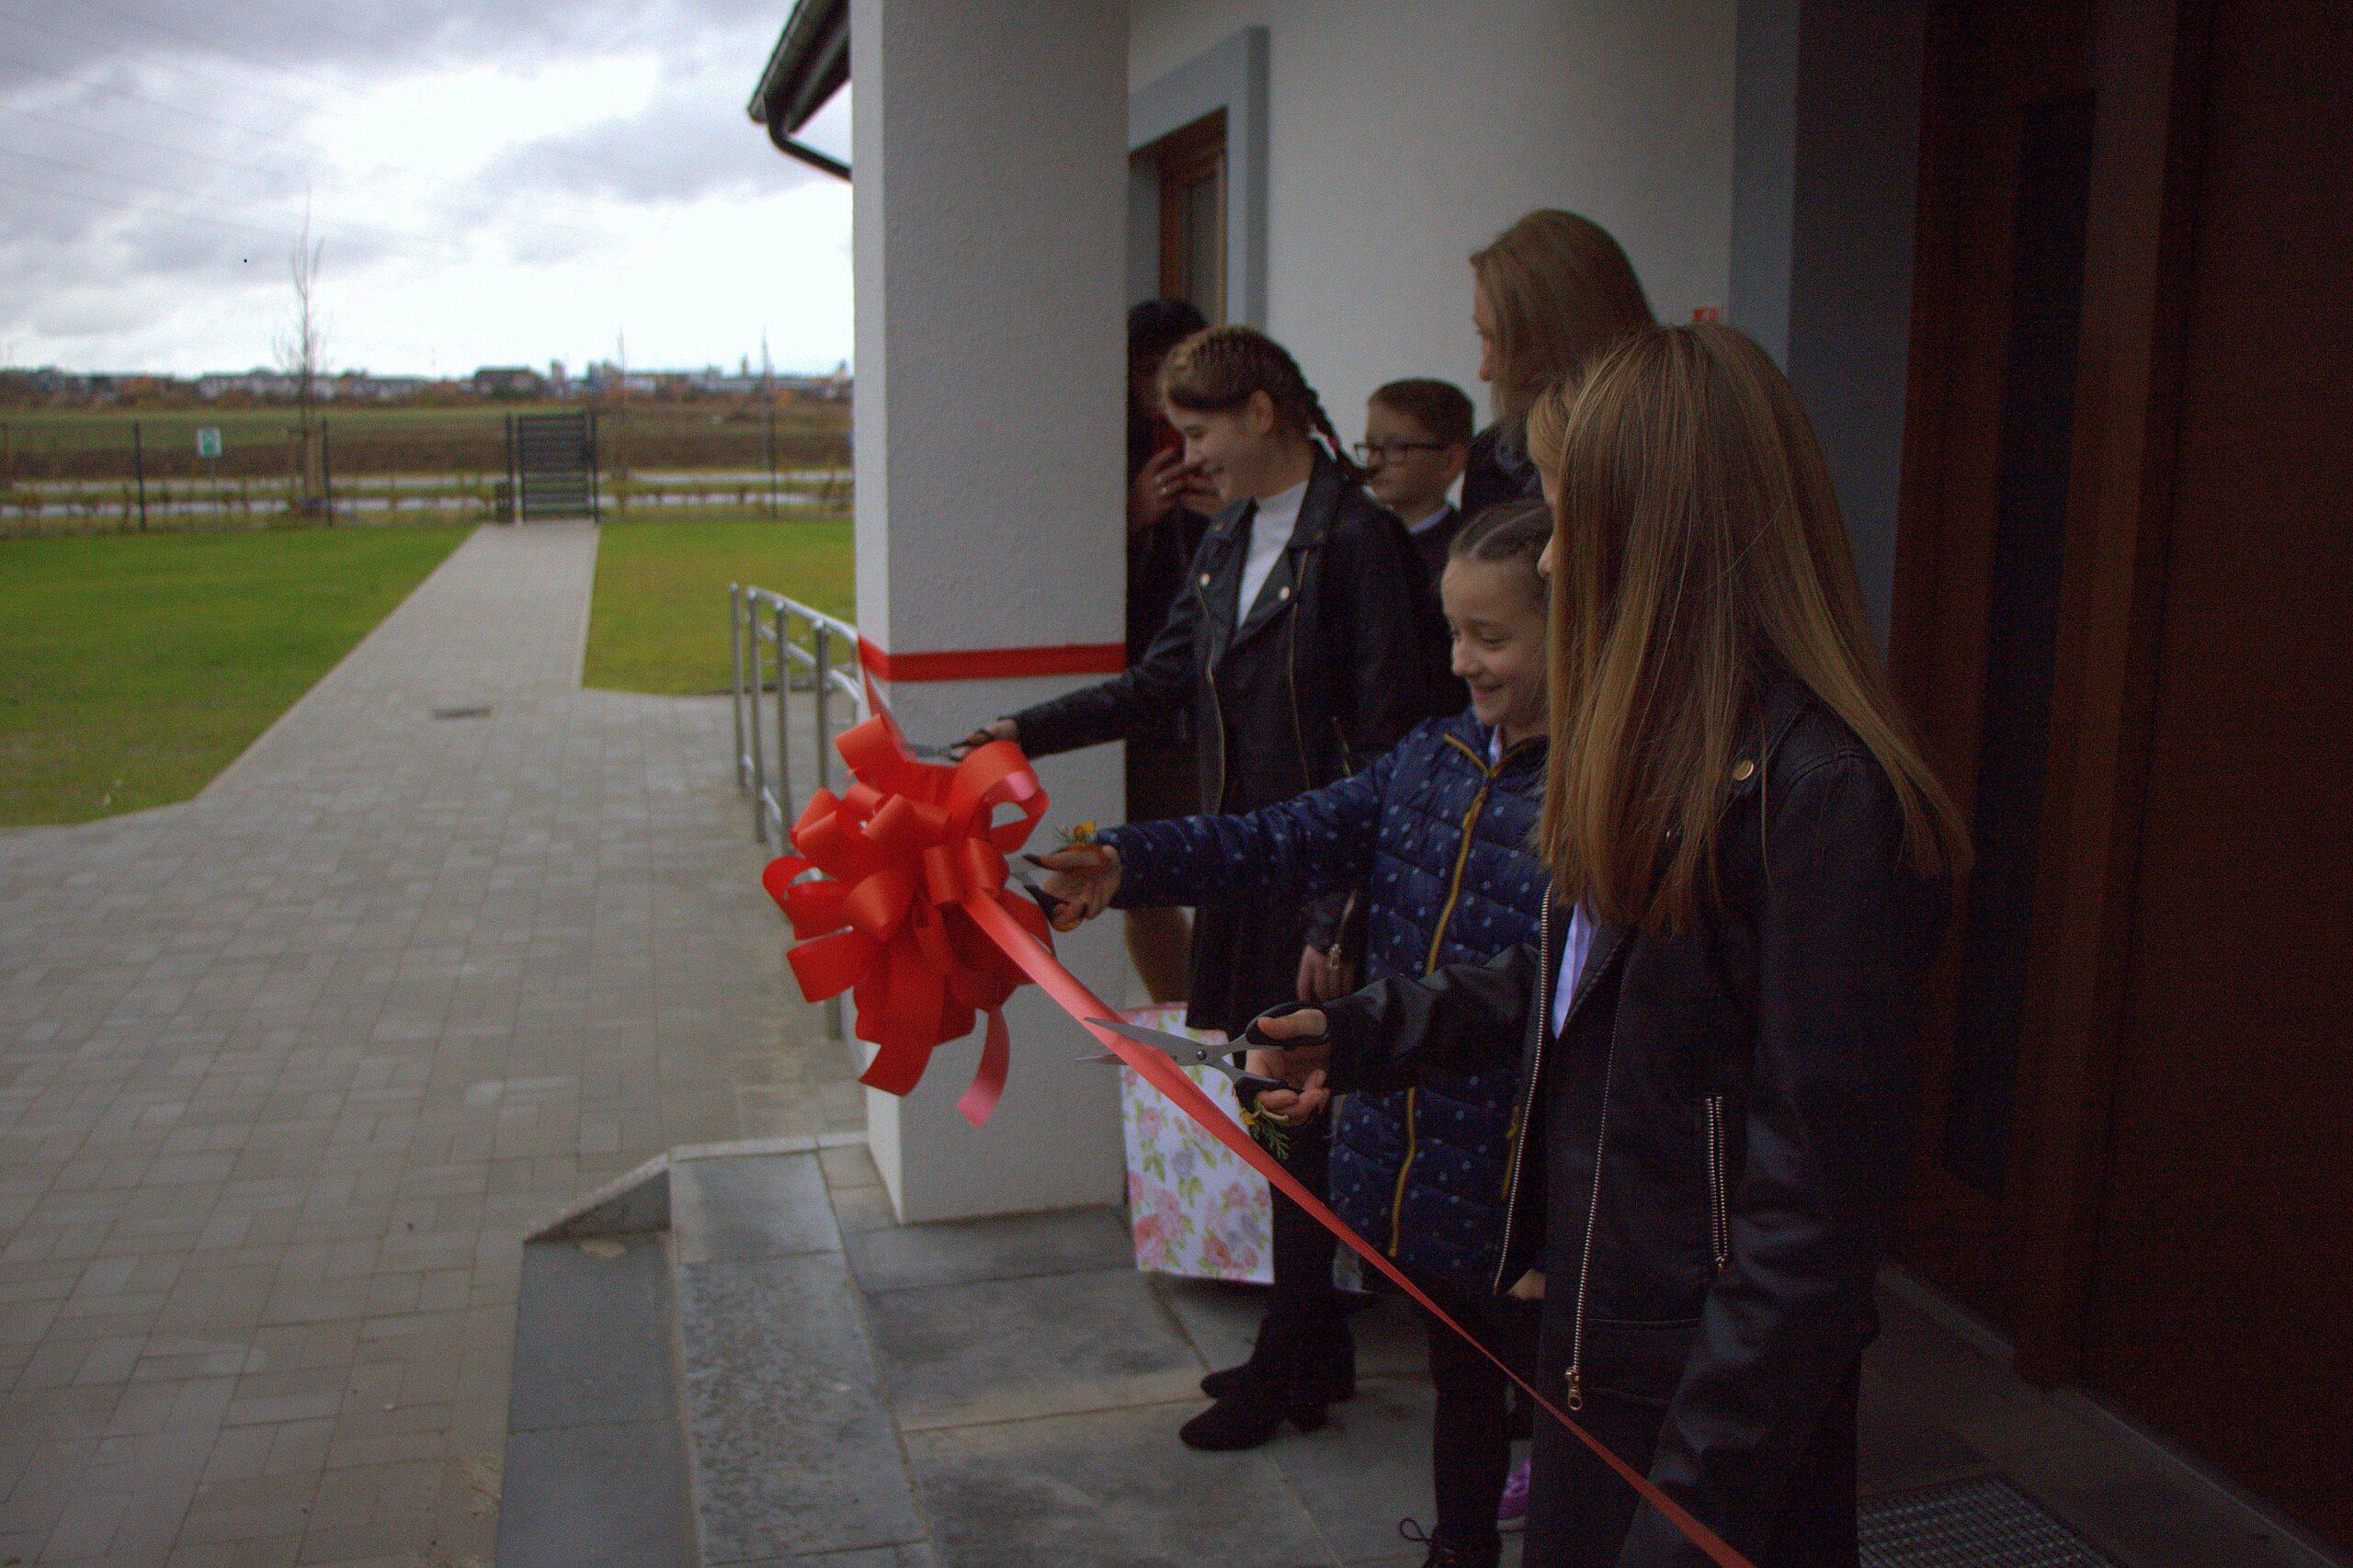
(1576, 1390)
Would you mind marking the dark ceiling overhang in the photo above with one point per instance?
(809, 65)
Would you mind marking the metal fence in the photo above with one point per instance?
(780, 642)
(66, 471)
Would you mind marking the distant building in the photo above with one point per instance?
(255, 384)
(510, 381)
(358, 386)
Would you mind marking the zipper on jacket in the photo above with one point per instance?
(1592, 1213)
(1217, 712)
(1489, 772)
(1719, 1202)
(1535, 1075)
(1290, 661)
(1397, 1197)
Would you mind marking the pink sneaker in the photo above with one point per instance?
(1511, 1514)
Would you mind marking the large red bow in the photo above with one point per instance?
(908, 852)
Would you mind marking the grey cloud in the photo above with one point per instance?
(682, 147)
(153, 171)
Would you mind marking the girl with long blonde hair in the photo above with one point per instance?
(1547, 295)
(1751, 865)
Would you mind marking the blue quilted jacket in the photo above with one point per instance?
(1438, 838)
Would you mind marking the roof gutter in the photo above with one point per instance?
(809, 65)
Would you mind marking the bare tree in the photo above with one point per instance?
(301, 353)
(767, 413)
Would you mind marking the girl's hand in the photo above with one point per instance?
(1082, 879)
(1529, 1287)
(1299, 1065)
(1153, 493)
(994, 730)
(1321, 977)
(1196, 493)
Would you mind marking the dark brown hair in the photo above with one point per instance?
(1563, 291)
(1216, 371)
(1510, 530)
(1698, 542)
(1440, 407)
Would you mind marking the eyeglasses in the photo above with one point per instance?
(1390, 452)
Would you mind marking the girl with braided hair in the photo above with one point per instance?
(1305, 642)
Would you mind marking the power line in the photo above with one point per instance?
(596, 165)
(131, 96)
(114, 48)
(356, 229)
(211, 45)
(117, 205)
(164, 147)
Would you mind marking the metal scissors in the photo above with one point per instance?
(1046, 900)
(1187, 1054)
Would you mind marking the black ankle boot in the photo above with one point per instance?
(1251, 1415)
(1328, 1374)
(1234, 1380)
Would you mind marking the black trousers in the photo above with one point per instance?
(1470, 1430)
(1305, 1323)
(1579, 1510)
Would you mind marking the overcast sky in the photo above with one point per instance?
(497, 181)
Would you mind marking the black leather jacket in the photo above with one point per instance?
(1344, 654)
(1747, 1091)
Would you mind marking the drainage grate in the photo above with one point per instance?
(1980, 1523)
(473, 710)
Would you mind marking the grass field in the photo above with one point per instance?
(659, 622)
(135, 667)
(48, 445)
(176, 427)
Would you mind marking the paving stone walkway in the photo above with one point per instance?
(288, 1071)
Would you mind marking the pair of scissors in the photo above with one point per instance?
(1046, 900)
(1189, 1053)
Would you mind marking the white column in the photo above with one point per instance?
(990, 175)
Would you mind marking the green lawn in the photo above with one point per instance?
(134, 667)
(659, 622)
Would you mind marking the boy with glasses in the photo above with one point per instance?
(1417, 442)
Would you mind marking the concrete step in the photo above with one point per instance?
(694, 1380)
(789, 1430)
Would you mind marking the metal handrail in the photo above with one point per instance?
(759, 618)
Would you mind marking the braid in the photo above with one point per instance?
(1322, 422)
(1217, 369)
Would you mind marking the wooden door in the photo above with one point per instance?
(1190, 167)
(1997, 317)
(2222, 1267)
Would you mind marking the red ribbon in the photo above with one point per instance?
(916, 925)
(911, 857)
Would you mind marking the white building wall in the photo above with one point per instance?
(990, 230)
(1403, 136)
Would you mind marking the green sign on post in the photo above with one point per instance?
(207, 441)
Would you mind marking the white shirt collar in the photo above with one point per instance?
(1437, 512)
(1270, 529)
(1281, 508)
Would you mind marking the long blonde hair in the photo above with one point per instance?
(1698, 540)
(1563, 291)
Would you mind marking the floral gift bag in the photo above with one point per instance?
(1198, 1210)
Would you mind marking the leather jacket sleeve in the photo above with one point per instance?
(1396, 1032)
(1383, 597)
(1844, 930)
(1158, 684)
